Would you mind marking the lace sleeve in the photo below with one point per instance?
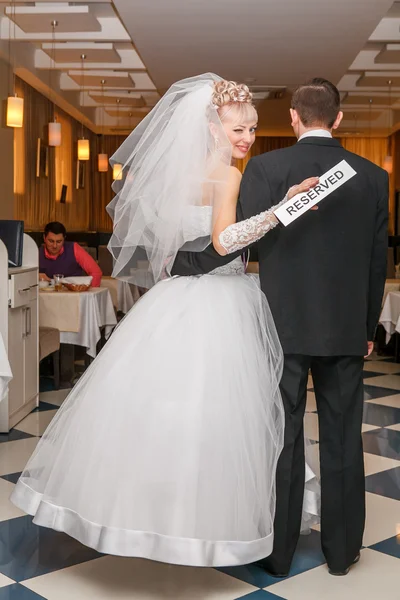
(242, 234)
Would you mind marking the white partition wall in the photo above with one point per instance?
(19, 327)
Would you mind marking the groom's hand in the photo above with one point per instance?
(370, 349)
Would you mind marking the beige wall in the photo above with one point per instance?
(6, 152)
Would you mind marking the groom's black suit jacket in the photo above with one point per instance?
(324, 274)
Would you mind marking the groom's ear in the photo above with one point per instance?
(338, 120)
(294, 117)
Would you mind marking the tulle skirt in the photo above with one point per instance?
(167, 447)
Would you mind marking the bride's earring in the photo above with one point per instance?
(216, 142)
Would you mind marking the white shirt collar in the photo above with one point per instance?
(316, 133)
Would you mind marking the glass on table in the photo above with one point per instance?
(57, 282)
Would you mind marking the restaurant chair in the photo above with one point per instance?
(105, 261)
(92, 252)
(49, 344)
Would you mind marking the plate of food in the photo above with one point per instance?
(77, 284)
(46, 286)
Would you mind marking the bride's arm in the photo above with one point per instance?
(225, 211)
(229, 236)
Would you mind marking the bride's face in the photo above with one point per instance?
(240, 127)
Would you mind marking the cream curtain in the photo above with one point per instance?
(63, 158)
(374, 149)
(75, 213)
(265, 144)
(102, 192)
(37, 199)
(32, 193)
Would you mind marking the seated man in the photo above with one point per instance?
(57, 256)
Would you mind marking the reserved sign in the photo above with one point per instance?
(328, 182)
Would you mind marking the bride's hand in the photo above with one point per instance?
(304, 186)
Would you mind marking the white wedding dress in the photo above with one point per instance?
(167, 447)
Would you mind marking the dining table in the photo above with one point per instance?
(124, 294)
(81, 317)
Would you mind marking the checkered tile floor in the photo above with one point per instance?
(40, 563)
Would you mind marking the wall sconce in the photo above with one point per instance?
(15, 111)
(54, 134)
(117, 172)
(83, 149)
(102, 163)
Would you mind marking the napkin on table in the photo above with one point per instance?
(78, 280)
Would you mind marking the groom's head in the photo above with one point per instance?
(315, 105)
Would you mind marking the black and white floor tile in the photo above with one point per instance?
(38, 563)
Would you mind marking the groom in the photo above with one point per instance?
(323, 276)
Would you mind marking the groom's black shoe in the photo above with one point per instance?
(345, 572)
(265, 565)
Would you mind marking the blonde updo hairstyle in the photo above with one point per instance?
(228, 95)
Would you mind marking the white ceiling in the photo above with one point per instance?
(90, 29)
(278, 42)
(367, 79)
(140, 47)
(266, 42)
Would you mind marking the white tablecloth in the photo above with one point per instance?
(5, 370)
(123, 294)
(59, 310)
(128, 294)
(391, 285)
(390, 315)
(95, 311)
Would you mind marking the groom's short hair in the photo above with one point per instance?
(317, 102)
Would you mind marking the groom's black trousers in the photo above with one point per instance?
(338, 386)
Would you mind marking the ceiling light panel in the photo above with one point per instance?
(379, 80)
(127, 114)
(70, 52)
(134, 100)
(92, 79)
(364, 100)
(32, 19)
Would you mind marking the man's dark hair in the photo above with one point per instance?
(56, 228)
(317, 103)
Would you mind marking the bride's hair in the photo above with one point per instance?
(229, 94)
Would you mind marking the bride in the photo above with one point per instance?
(167, 447)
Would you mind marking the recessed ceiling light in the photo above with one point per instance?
(250, 80)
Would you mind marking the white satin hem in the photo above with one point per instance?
(143, 544)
